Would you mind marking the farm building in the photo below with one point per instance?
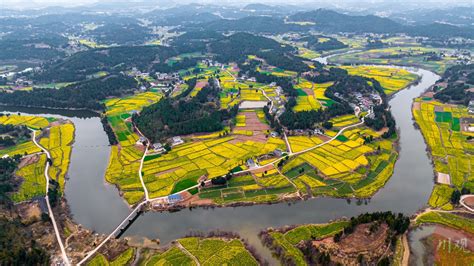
(176, 141)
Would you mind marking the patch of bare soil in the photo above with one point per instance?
(140, 148)
(194, 200)
(263, 169)
(257, 136)
(29, 211)
(417, 106)
(371, 245)
(310, 92)
(469, 201)
(458, 237)
(438, 108)
(324, 138)
(253, 123)
(28, 160)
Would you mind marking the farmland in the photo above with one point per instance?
(58, 142)
(448, 145)
(405, 56)
(348, 166)
(344, 167)
(448, 219)
(184, 164)
(125, 157)
(218, 251)
(391, 79)
(287, 240)
(184, 251)
(447, 242)
(57, 137)
(343, 241)
(307, 98)
(123, 259)
(207, 251)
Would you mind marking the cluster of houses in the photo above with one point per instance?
(159, 147)
(252, 163)
(167, 77)
(212, 63)
(162, 81)
(363, 102)
(19, 79)
(168, 200)
(471, 107)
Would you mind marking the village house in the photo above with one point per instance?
(141, 140)
(158, 147)
(471, 107)
(176, 141)
(251, 163)
(278, 152)
(174, 198)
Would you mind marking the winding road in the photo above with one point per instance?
(50, 210)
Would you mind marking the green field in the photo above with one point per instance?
(402, 55)
(448, 219)
(287, 241)
(57, 139)
(450, 150)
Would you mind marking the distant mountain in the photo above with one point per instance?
(256, 24)
(271, 9)
(459, 16)
(331, 21)
(186, 14)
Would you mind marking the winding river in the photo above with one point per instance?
(98, 206)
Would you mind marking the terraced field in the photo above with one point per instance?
(346, 166)
(311, 95)
(34, 122)
(57, 137)
(450, 149)
(345, 120)
(125, 157)
(286, 240)
(58, 142)
(449, 244)
(207, 251)
(218, 251)
(403, 55)
(123, 259)
(186, 163)
(391, 79)
(448, 219)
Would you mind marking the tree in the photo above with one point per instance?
(455, 197)
(327, 125)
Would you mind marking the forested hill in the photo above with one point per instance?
(181, 115)
(83, 95)
(333, 22)
(255, 24)
(458, 79)
(113, 60)
(238, 46)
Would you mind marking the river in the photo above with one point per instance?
(98, 206)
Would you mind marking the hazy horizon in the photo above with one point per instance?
(26, 4)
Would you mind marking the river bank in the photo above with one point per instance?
(97, 205)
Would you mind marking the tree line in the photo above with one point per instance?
(83, 95)
(182, 116)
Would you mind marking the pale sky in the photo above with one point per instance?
(44, 3)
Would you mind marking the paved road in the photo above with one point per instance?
(50, 210)
(147, 199)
